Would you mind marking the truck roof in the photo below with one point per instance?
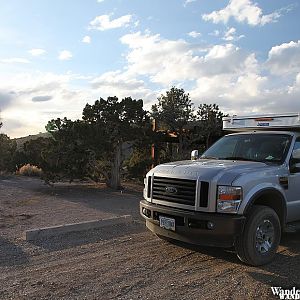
(293, 133)
(267, 122)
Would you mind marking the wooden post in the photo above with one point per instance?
(153, 147)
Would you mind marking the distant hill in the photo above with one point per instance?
(22, 140)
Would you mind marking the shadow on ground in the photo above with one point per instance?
(284, 271)
(216, 252)
(11, 254)
(76, 239)
(96, 196)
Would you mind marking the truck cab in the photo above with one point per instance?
(243, 191)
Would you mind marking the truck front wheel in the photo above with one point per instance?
(261, 236)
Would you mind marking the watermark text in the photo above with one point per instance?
(286, 293)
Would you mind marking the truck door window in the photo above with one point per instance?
(296, 151)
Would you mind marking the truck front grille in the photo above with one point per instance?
(204, 190)
(182, 191)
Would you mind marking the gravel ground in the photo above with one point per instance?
(121, 261)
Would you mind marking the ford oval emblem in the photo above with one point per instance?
(171, 190)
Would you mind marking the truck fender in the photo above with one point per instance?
(269, 196)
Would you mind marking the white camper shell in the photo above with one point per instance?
(287, 121)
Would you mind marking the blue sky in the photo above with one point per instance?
(56, 56)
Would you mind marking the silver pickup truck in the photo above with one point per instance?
(242, 192)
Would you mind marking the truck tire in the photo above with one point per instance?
(261, 236)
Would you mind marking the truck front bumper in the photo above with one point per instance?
(209, 229)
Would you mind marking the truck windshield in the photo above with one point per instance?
(261, 147)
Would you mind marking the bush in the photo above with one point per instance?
(138, 164)
(7, 154)
(30, 170)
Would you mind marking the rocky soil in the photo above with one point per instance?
(120, 261)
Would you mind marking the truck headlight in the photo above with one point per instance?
(229, 198)
(147, 188)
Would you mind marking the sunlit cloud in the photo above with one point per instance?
(37, 52)
(65, 55)
(104, 22)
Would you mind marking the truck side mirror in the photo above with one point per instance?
(296, 155)
(295, 167)
(194, 155)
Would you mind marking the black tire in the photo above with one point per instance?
(261, 236)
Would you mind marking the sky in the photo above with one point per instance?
(56, 56)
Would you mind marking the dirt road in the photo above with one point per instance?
(122, 261)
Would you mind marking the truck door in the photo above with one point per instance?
(293, 191)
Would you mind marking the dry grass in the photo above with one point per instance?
(27, 202)
(30, 170)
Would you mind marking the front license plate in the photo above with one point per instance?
(167, 223)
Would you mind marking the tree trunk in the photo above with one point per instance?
(115, 181)
(207, 140)
(180, 145)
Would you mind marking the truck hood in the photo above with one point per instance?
(207, 169)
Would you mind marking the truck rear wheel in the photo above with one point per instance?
(261, 236)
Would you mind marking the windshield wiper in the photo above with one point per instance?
(208, 157)
(239, 158)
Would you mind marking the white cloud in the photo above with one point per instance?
(116, 78)
(194, 34)
(150, 55)
(235, 93)
(230, 35)
(243, 11)
(186, 2)
(86, 39)
(103, 22)
(222, 74)
(284, 58)
(122, 84)
(14, 60)
(215, 33)
(295, 87)
(248, 91)
(279, 99)
(65, 55)
(27, 100)
(99, 1)
(170, 62)
(37, 52)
